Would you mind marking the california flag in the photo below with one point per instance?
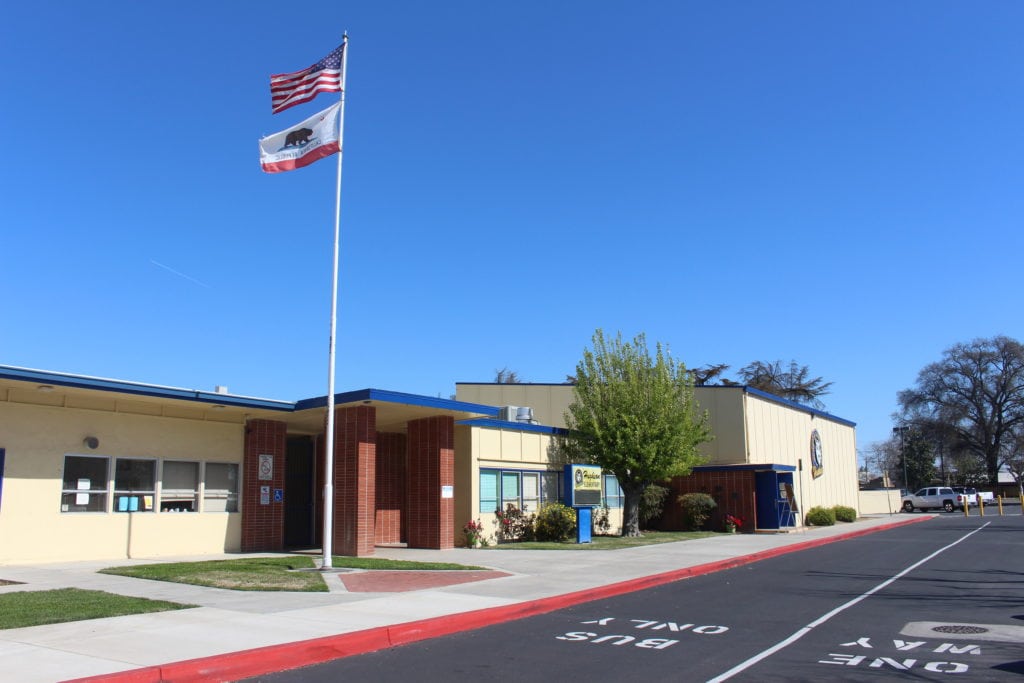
(301, 145)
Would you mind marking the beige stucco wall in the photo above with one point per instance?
(747, 429)
(886, 501)
(479, 448)
(36, 439)
(777, 433)
(551, 401)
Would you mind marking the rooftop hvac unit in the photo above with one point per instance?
(524, 415)
(508, 413)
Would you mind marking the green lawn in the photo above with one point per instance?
(609, 542)
(35, 608)
(265, 573)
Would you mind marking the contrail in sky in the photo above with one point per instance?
(179, 274)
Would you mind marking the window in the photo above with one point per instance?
(85, 484)
(612, 492)
(510, 489)
(134, 485)
(179, 491)
(531, 491)
(550, 491)
(527, 490)
(220, 491)
(488, 490)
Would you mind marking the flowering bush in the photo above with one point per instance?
(732, 522)
(474, 532)
(514, 524)
(555, 522)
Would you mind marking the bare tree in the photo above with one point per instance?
(976, 392)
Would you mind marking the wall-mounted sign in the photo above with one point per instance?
(583, 484)
(264, 495)
(447, 491)
(817, 466)
(266, 467)
(278, 495)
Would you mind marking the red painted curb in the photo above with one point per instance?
(247, 663)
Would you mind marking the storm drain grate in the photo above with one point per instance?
(960, 628)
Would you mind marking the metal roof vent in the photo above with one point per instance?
(525, 414)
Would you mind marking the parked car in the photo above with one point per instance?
(971, 494)
(932, 498)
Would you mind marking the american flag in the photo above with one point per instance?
(287, 90)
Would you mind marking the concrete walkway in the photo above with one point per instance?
(228, 622)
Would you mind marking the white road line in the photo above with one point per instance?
(743, 666)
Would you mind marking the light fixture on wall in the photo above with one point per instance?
(91, 442)
(44, 388)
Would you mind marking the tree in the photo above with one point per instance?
(916, 459)
(506, 376)
(977, 392)
(635, 416)
(794, 383)
(705, 374)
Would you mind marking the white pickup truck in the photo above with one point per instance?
(971, 494)
(932, 498)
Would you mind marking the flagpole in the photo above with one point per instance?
(328, 531)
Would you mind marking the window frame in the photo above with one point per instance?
(543, 478)
(612, 502)
(104, 492)
(181, 495)
(230, 496)
(130, 497)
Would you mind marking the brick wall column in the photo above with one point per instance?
(355, 455)
(389, 525)
(263, 525)
(431, 465)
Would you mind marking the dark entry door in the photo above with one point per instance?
(299, 475)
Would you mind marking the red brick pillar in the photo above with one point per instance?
(355, 455)
(263, 523)
(390, 495)
(431, 466)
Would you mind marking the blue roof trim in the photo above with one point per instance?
(774, 467)
(398, 397)
(139, 389)
(798, 406)
(518, 426)
(521, 384)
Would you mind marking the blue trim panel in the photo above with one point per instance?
(518, 426)
(83, 382)
(774, 467)
(400, 398)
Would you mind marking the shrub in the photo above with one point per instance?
(844, 513)
(514, 525)
(652, 504)
(819, 516)
(697, 508)
(555, 522)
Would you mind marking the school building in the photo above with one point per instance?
(94, 468)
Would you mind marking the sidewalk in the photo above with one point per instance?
(235, 633)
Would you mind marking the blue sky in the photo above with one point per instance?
(837, 183)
